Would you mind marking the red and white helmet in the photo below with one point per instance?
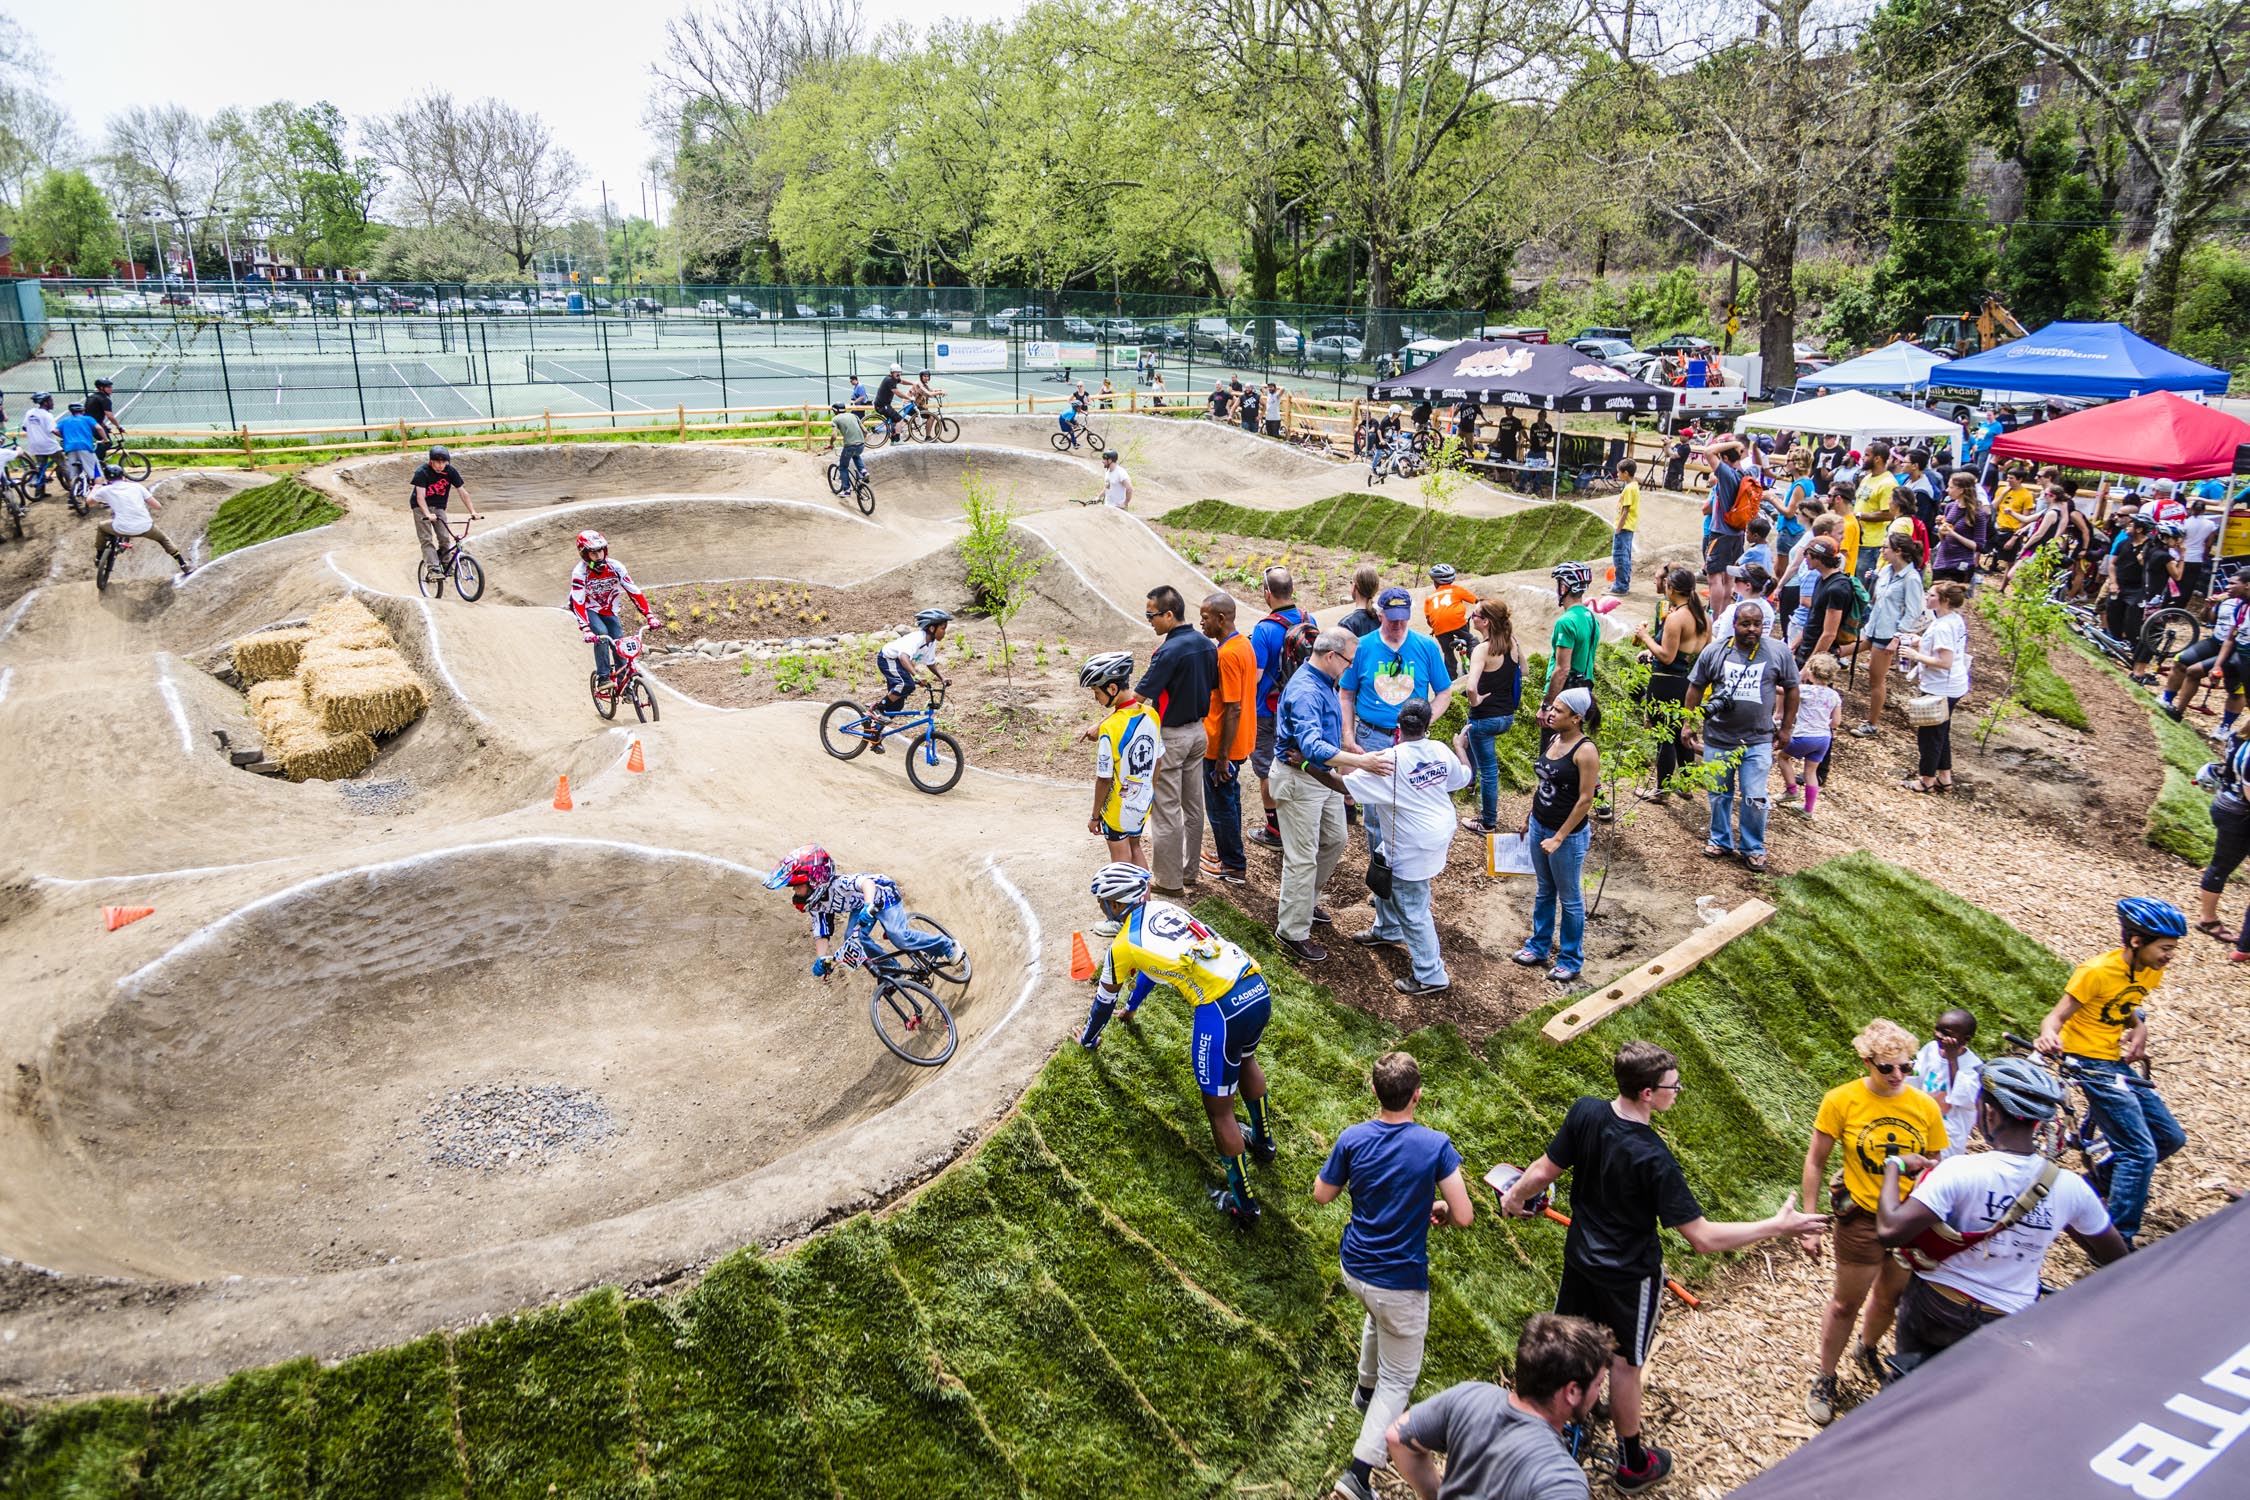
(806, 870)
(592, 541)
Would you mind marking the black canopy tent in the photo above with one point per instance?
(2135, 1382)
(1542, 377)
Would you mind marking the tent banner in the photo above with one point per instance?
(960, 355)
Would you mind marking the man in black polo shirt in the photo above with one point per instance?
(104, 412)
(1625, 1183)
(1178, 685)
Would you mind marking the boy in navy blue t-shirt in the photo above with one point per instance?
(1403, 1178)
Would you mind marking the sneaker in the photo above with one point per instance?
(1363, 1396)
(1212, 867)
(1871, 1360)
(1322, 916)
(1352, 1487)
(1307, 951)
(1411, 988)
(1169, 893)
(1262, 1149)
(1373, 939)
(1244, 1211)
(1649, 1476)
(1234, 877)
(1865, 732)
(1267, 838)
(876, 745)
(1560, 975)
(1107, 927)
(1820, 1401)
(2175, 711)
(1529, 957)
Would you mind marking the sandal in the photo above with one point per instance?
(1657, 797)
(2215, 929)
(1914, 784)
(1477, 825)
(1755, 863)
(1713, 851)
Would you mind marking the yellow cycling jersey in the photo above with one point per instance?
(1161, 941)
(1126, 750)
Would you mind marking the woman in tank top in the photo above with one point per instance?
(1493, 686)
(1558, 830)
(1682, 630)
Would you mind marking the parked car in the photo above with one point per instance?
(1335, 349)
(1117, 331)
(876, 311)
(1618, 355)
(710, 307)
(1218, 335)
(1523, 333)
(805, 310)
(401, 304)
(1004, 320)
(1336, 329)
(1075, 327)
(281, 302)
(744, 309)
(1681, 343)
(938, 322)
(1623, 335)
(175, 299)
(368, 304)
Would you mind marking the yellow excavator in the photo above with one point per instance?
(1956, 335)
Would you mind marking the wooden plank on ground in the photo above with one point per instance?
(1658, 972)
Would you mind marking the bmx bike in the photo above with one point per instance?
(933, 757)
(626, 684)
(454, 563)
(905, 1011)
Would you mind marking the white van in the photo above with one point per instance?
(708, 308)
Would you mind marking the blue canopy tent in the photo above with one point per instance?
(1894, 367)
(2100, 361)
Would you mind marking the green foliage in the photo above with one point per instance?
(314, 196)
(1369, 525)
(1059, 1314)
(2057, 262)
(1440, 485)
(2027, 623)
(800, 672)
(65, 221)
(1940, 253)
(1000, 571)
(266, 511)
(2213, 323)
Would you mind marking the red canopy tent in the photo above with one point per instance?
(2157, 436)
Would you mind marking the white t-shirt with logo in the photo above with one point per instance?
(1971, 1193)
(2195, 540)
(1419, 828)
(128, 507)
(1958, 1102)
(1114, 486)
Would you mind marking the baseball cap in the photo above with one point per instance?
(1823, 550)
(1395, 603)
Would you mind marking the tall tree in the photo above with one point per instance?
(2182, 108)
(1940, 254)
(65, 221)
(2057, 261)
(486, 170)
(35, 131)
(314, 196)
(168, 162)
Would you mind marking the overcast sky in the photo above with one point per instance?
(583, 67)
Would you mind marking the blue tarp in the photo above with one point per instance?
(2104, 361)
(1894, 367)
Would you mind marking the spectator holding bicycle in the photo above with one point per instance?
(2100, 1030)
(1873, 1117)
(2229, 780)
(1979, 1225)
(428, 493)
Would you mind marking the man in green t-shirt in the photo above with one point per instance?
(1577, 635)
(851, 434)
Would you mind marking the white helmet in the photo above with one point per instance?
(1105, 667)
(898, 369)
(1121, 884)
(592, 541)
(1397, 410)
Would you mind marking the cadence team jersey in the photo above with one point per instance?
(1161, 941)
(1126, 750)
(599, 592)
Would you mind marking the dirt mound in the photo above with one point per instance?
(685, 540)
(518, 478)
(1175, 460)
(924, 479)
(180, 1109)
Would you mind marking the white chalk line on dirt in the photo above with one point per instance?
(563, 510)
(1033, 969)
(15, 616)
(7, 676)
(171, 695)
(429, 621)
(203, 936)
(203, 570)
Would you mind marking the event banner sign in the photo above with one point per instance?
(1040, 354)
(961, 355)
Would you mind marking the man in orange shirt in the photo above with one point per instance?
(1447, 609)
(1229, 732)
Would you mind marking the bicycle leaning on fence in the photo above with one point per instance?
(453, 562)
(904, 1010)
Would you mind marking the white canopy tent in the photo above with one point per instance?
(1858, 416)
(1902, 366)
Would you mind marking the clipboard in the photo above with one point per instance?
(1507, 854)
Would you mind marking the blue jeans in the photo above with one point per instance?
(606, 628)
(1561, 880)
(1484, 753)
(1621, 555)
(854, 458)
(903, 937)
(1371, 740)
(1404, 917)
(2141, 1132)
(1749, 778)
(1222, 808)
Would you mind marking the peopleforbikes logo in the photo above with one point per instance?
(2157, 1462)
(2048, 351)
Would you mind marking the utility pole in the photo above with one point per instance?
(1734, 295)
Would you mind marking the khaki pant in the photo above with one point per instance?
(105, 529)
(1391, 1337)
(1176, 819)
(435, 538)
(1312, 841)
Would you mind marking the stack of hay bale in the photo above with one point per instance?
(323, 692)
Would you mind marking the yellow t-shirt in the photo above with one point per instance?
(1849, 544)
(1629, 506)
(1872, 500)
(2107, 992)
(1865, 1126)
(2014, 507)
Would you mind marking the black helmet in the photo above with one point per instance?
(104, 384)
(836, 406)
(929, 617)
(42, 398)
(77, 409)
(440, 454)
(1110, 454)
(112, 471)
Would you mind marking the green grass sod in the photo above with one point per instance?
(251, 1435)
(892, 1419)
(1373, 525)
(546, 1400)
(1062, 1313)
(2049, 694)
(91, 1450)
(383, 1426)
(260, 514)
(720, 1405)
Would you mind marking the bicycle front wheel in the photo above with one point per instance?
(468, 577)
(945, 429)
(644, 700)
(2168, 632)
(956, 972)
(1094, 440)
(135, 465)
(912, 1022)
(843, 729)
(934, 762)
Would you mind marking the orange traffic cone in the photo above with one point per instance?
(633, 761)
(114, 917)
(1609, 574)
(562, 794)
(1081, 962)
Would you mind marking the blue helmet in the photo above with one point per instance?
(2149, 917)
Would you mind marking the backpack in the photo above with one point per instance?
(1296, 649)
(1749, 495)
(1856, 616)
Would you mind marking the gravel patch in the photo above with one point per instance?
(493, 1126)
(373, 798)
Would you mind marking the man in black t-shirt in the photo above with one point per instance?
(1626, 1182)
(886, 400)
(433, 486)
(104, 412)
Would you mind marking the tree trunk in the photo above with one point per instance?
(1777, 297)
(1601, 240)
(2157, 293)
(1265, 273)
(1380, 322)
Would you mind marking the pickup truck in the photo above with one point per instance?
(1707, 405)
